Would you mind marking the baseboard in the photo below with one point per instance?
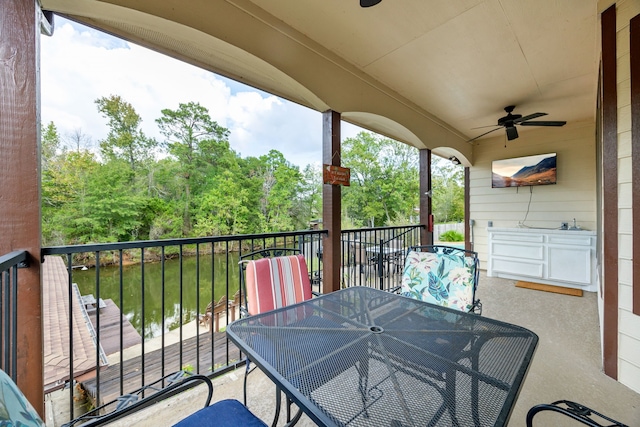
(549, 288)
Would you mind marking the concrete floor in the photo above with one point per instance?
(566, 365)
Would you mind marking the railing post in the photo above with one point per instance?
(380, 265)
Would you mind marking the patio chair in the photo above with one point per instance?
(271, 279)
(276, 280)
(442, 275)
(15, 409)
(575, 411)
(363, 262)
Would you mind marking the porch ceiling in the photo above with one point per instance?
(423, 72)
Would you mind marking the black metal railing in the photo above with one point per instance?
(375, 257)
(173, 299)
(9, 265)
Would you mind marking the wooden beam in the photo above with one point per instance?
(426, 235)
(331, 204)
(20, 180)
(610, 191)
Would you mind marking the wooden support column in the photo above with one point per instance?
(20, 180)
(426, 235)
(610, 191)
(331, 204)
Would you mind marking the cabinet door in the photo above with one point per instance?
(569, 264)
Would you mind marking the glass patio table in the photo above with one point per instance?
(365, 357)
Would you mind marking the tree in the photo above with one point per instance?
(194, 139)
(447, 183)
(125, 140)
(384, 180)
(311, 192)
(223, 209)
(280, 203)
(77, 139)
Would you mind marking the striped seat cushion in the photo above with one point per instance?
(276, 282)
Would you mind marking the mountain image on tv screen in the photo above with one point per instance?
(524, 171)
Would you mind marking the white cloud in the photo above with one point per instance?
(80, 65)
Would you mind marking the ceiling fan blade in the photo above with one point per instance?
(512, 133)
(544, 123)
(529, 117)
(487, 126)
(480, 136)
(369, 3)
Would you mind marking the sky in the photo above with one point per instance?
(80, 65)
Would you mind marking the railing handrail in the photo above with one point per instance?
(392, 227)
(12, 259)
(180, 294)
(101, 247)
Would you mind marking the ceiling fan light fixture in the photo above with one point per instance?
(510, 121)
(369, 3)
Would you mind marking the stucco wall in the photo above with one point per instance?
(574, 195)
(628, 323)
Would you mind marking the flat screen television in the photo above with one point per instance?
(524, 171)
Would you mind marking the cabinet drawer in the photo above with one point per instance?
(517, 267)
(520, 237)
(570, 240)
(514, 250)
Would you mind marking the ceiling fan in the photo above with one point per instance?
(369, 3)
(510, 121)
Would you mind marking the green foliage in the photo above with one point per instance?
(451, 236)
(447, 182)
(384, 180)
(125, 140)
(194, 184)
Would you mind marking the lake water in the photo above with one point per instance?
(175, 293)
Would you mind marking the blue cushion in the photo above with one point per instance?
(224, 413)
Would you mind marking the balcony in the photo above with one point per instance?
(566, 365)
(138, 310)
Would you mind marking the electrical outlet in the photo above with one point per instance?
(472, 222)
(564, 226)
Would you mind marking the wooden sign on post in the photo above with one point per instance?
(336, 175)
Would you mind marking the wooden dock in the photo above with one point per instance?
(111, 386)
(109, 336)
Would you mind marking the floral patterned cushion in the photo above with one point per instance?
(15, 409)
(443, 279)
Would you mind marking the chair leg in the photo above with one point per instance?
(246, 374)
(278, 402)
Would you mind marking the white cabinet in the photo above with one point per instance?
(554, 257)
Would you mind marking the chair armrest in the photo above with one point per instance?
(575, 411)
(134, 401)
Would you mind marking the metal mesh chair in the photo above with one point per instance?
(576, 411)
(273, 278)
(225, 413)
(442, 275)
